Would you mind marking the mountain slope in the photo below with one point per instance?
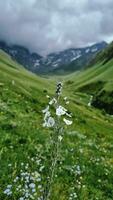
(16, 72)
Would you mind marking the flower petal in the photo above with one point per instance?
(68, 122)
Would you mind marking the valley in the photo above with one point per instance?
(85, 166)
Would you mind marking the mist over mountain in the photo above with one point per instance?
(49, 26)
(68, 60)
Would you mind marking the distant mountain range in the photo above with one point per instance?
(68, 60)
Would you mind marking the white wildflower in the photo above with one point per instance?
(53, 101)
(75, 195)
(22, 174)
(44, 124)
(67, 102)
(78, 171)
(38, 179)
(27, 179)
(39, 186)
(21, 198)
(69, 115)
(8, 191)
(65, 98)
(51, 122)
(47, 114)
(41, 168)
(32, 185)
(9, 186)
(26, 167)
(26, 194)
(60, 138)
(60, 111)
(22, 164)
(33, 190)
(46, 109)
(47, 96)
(68, 122)
(9, 165)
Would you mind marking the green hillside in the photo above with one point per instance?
(97, 80)
(85, 166)
(104, 56)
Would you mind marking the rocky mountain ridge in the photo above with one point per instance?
(66, 61)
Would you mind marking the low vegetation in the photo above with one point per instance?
(85, 166)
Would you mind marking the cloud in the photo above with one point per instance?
(48, 25)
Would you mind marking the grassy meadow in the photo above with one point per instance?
(85, 166)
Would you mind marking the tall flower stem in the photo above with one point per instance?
(54, 159)
(55, 149)
(56, 136)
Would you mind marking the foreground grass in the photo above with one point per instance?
(85, 167)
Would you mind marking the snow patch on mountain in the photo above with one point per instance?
(87, 50)
(94, 50)
(37, 63)
(75, 58)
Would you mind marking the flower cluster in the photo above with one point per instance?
(28, 182)
(50, 119)
(8, 190)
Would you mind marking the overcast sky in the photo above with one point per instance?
(47, 26)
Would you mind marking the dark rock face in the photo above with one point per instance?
(64, 61)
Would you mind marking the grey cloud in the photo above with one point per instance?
(48, 25)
